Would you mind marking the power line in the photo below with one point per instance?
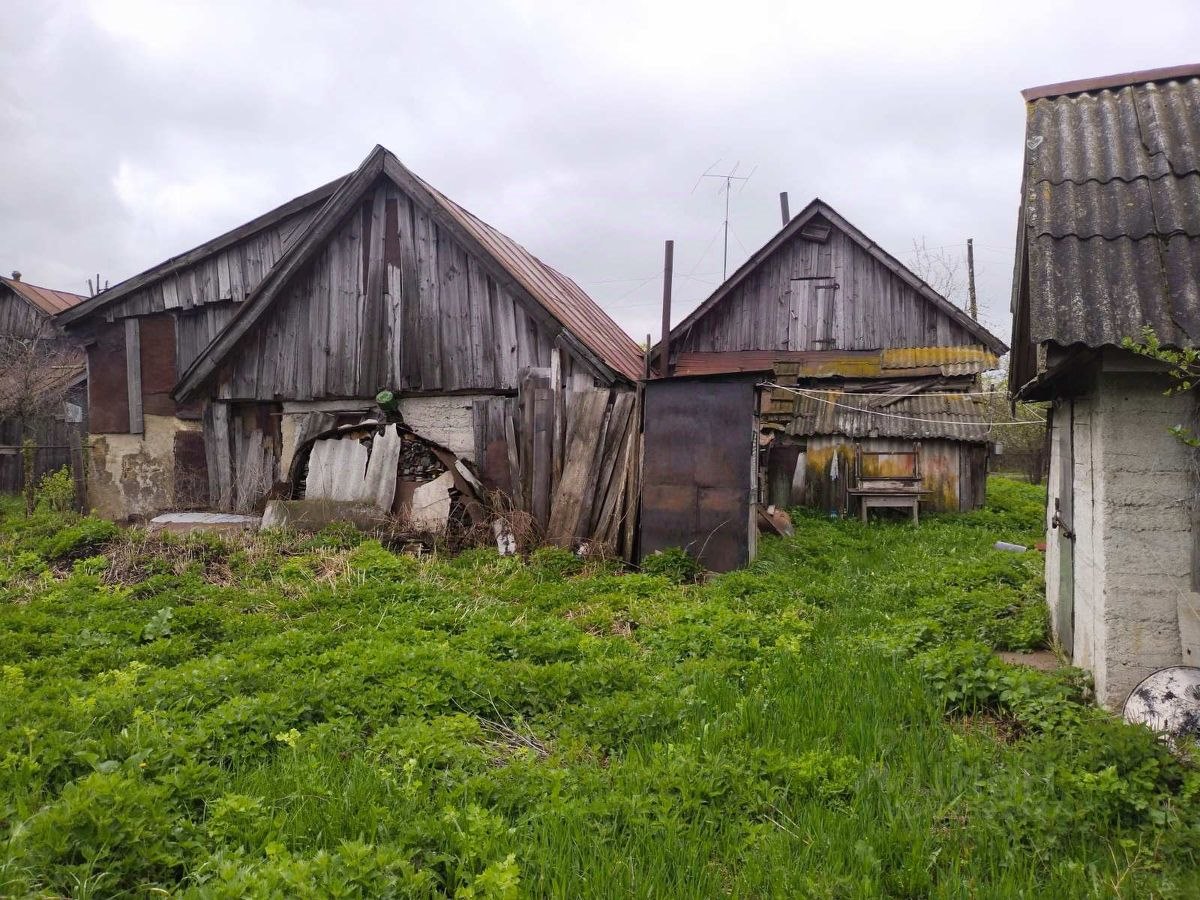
(874, 412)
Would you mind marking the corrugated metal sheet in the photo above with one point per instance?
(950, 416)
(903, 361)
(970, 360)
(49, 301)
(561, 296)
(1112, 214)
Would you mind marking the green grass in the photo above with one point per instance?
(319, 717)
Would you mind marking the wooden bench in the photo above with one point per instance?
(891, 490)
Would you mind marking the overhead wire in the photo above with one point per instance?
(873, 412)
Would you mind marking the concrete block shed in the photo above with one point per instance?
(1108, 244)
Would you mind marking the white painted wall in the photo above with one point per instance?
(1134, 611)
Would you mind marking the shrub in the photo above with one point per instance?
(555, 563)
(673, 564)
(56, 492)
(75, 540)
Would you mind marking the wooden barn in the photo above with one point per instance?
(43, 389)
(1108, 243)
(213, 369)
(866, 355)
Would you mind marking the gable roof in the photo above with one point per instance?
(587, 328)
(818, 207)
(1109, 226)
(49, 301)
(190, 257)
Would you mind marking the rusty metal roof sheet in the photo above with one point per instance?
(49, 301)
(959, 417)
(1111, 213)
(561, 296)
(895, 362)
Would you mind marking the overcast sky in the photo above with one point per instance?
(135, 130)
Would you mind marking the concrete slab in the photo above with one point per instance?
(188, 522)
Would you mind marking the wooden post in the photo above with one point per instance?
(973, 308)
(133, 374)
(783, 207)
(668, 269)
(28, 457)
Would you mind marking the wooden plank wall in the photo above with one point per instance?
(871, 309)
(942, 463)
(590, 496)
(393, 301)
(226, 276)
(20, 318)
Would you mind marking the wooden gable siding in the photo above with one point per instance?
(21, 319)
(391, 300)
(871, 308)
(227, 275)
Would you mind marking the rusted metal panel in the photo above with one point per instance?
(558, 293)
(699, 469)
(49, 301)
(158, 364)
(191, 470)
(108, 399)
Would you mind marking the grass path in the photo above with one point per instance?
(319, 717)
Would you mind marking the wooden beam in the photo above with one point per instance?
(133, 374)
(668, 276)
(335, 209)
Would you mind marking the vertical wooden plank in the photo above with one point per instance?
(393, 288)
(429, 345)
(412, 321)
(560, 418)
(483, 340)
(133, 374)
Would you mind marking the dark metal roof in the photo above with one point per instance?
(1111, 215)
(956, 417)
(49, 301)
(559, 294)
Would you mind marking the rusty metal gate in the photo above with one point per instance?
(699, 474)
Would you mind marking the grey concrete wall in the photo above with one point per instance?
(1134, 610)
(1145, 478)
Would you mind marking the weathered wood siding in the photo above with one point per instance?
(954, 473)
(871, 308)
(21, 319)
(392, 301)
(225, 276)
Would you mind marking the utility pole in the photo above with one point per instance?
(973, 303)
(664, 369)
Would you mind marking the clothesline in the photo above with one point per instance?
(807, 393)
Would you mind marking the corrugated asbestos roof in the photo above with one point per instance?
(561, 296)
(48, 301)
(896, 362)
(1111, 213)
(956, 417)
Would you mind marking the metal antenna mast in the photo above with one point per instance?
(729, 178)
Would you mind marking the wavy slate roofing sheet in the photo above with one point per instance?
(48, 301)
(1111, 211)
(896, 362)
(956, 417)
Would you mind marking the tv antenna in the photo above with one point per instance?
(729, 178)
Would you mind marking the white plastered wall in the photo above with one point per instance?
(1134, 610)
